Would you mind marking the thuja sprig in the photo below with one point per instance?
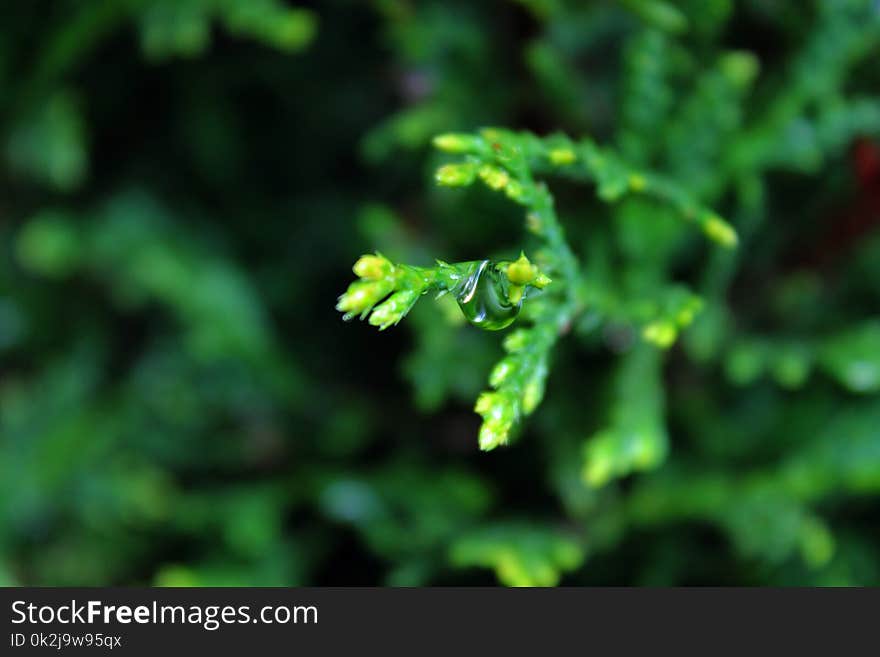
(517, 381)
(489, 294)
(524, 153)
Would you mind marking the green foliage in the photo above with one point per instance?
(50, 145)
(169, 27)
(521, 555)
(679, 384)
(636, 436)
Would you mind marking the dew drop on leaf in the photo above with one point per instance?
(482, 296)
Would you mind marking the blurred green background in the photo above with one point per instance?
(184, 185)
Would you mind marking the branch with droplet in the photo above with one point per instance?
(517, 381)
(490, 294)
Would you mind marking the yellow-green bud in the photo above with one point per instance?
(356, 298)
(363, 295)
(562, 156)
(637, 182)
(456, 175)
(515, 293)
(498, 414)
(372, 267)
(393, 309)
(720, 231)
(541, 281)
(522, 271)
(453, 142)
(494, 177)
(660, 333)
(484, 403)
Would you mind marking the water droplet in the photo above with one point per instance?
(483, 297)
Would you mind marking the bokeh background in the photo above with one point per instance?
(184, 185)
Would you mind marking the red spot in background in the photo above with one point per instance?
(849, 224)
(866, 158)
